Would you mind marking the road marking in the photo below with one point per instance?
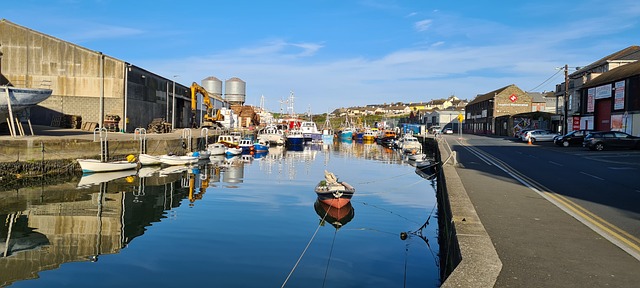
(555, 163)
(592, 176)
(615, 235)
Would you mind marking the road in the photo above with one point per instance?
(558, 217)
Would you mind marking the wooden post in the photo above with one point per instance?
(13, 127)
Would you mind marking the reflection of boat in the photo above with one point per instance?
(178, 160)
(172, 170)
(97, 178)
(93, 165)
(332, 192)
(337, 217)
(146, 159)
(20, 98)
(147, 171)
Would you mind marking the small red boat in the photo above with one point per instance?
(334, 193)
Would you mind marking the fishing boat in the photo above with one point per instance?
(334, 193)
(94, 166)
(346, 131)
(261, 146)
(369, 136)
(310, 132)
(272, 134)
(201, 155)
(20, 98)
(232, 151)
(147, 160)
(216, 148)
(178, 160)
(246, 145)
(409, 144)
(294, 137)
(327, 132)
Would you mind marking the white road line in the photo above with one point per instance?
(555, 163)
(592, 176)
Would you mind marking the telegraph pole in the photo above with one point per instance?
(565, 128)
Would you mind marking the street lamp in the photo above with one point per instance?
(173, 103)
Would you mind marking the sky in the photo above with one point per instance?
(339, 53)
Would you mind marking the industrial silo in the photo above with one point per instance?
(235, 91)
(213, 86)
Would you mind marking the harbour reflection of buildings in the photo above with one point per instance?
(47, 226)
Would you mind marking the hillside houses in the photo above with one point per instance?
(404, 109)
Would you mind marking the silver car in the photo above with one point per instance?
(539, 135)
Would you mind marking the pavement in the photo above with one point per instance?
(511, 236)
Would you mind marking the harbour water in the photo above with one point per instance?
(251, 221)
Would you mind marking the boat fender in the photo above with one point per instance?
(131, 158)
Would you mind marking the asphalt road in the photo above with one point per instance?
(558, 217)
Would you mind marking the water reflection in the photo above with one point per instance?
(337, 217)
(102, 214)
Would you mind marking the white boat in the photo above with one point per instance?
(91, 179)
(310, 132)
(93, 165)
(246, 145)
(146, 159)
(216, 148)
(201, 155)
(272, 134)
(178, 160)
(20, 98)
(410, 144)
(233, 151)
(294, 137)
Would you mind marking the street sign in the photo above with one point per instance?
(460, 118)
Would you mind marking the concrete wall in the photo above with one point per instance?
(35, 60)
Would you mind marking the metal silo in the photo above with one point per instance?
(235, 91)
(213, 86)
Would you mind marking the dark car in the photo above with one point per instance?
(573, 138)
(610, 140)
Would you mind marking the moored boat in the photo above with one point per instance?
(93, 165)
(310, 132)
(178, 160)
(272, 134)
(216, 148)
(260, 146)
(334, 193)
(147, 160)
(294, 137)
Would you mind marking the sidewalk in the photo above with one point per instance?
(538, 244)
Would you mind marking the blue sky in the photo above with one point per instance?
(340, 53)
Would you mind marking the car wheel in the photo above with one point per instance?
(533, 140)
(599, 146)
(565, 143)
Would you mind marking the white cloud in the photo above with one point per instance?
(423, 25)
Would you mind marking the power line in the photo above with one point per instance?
(545, 81)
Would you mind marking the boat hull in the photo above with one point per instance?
(147, 160)
(336, 197)
(95, 166)
(22, 98)
(178, 160)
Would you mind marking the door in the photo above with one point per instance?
(603, 115)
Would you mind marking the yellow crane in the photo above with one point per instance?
(209, 119)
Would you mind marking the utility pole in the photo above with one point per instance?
(565, 128)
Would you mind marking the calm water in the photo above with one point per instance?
(252, 223)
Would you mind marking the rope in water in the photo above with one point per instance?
(305, 249)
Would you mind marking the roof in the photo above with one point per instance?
(490, 95)
(629, 53)
(622, 72)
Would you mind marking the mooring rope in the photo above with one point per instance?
(305, 249)
(326, 270)
(378, 180)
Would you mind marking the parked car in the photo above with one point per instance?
(539, 135)
(448, 131)
(610, 140)
(573, 138)
(520, 133)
